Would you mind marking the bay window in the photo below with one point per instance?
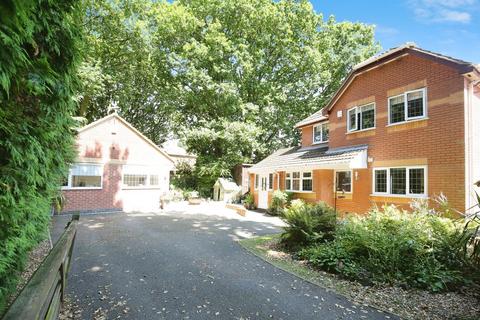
(83, 175)
(361, 118)
(320, 133)
(403, 181)
(299, 181)
(410, 105)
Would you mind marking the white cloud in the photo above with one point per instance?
(442, 10)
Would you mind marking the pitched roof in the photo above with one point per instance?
(316, 117)
(463, 67)
(128, 125)
(310, 157)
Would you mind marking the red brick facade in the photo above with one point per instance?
(437, 141)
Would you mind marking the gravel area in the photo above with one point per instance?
(407, 303)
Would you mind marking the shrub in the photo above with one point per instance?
(39, 49)
(416, 249)
(278, 203)
(249, 201)
(308, 224)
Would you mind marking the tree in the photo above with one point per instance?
(241, 73)
(38, 58)
(119, 67)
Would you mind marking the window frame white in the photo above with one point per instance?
(148, 173)
(69, 178)
(405, 106)
(407, 185)
(256, 182)
(335, 181)
(320, 125)
(300, 190)
(270, 182)
(359, 120)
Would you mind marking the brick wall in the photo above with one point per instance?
(105, 199)
(437, 142)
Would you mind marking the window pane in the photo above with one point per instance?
(135, 180)
(154, 180)
(417, 181)
(368, 116)
(398, 180)
(288, 184)
(307, 185)
(415, 104)
(86, 181)
(325, 132)
(270, 181)
(256, 181)
(296, 175)
(317, 134)
(307, 174)
(344, 181)
(296, 184)
(381, 181)
(397, 109)
(352, 119)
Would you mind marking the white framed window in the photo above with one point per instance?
(84, 176)
(400, 181)
(256, 182)
(137, 176)
(408, 106)
(299, 181)
(343, 181)
(270, 181)
(361, 118)
(320, 133)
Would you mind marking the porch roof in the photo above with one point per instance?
(310, 158)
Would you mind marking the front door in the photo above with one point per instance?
(263, 192)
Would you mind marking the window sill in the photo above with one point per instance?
(405, 122)
(81, 188)
(358, 131)
(141, 188)
(408, 196)
(299, 191)
(316, 143)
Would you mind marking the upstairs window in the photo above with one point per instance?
(410, 105)
(361, 118)
(320, 133)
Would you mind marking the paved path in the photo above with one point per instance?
(178, 265)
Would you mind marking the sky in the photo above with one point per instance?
(450, 27)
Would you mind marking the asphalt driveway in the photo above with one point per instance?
(178, 265)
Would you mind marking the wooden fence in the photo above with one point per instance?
(44, 293)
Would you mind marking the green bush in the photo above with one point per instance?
(417, 249)
(249, 201)
(38, 41)
(308, 224)
(278, 203)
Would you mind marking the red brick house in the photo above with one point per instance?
(117, 168)
(403, 125)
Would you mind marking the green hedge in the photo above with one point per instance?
(38, 41)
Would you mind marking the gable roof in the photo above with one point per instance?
(228, 184)
(128, 125)
(463, 67)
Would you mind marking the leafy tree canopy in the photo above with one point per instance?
(231, 77)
